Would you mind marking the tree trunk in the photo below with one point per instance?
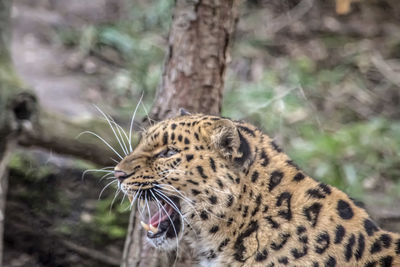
(193, 78)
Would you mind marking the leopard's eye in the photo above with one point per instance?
(169, 152)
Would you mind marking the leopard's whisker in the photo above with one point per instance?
(110, 183)
(112, 128)
(111, 121)
(172, 223)
(138, 206)
(158, 204)
(132, 120)
(121, 131)
(141, 210)
(111, 176)
(123, 197)
(173, 226)
(114, 160)
(96, 170)
(138, 209)
(148, 206)
(182, 223)
(178, 211)
(187, 200)
(143, 202)
(172, 204)
(180, 195)
(150, 120)
(138, 196)
(107, 176)
(102, 139)
(173, 189)
(220, 191)
(135, 197)
(115, 197)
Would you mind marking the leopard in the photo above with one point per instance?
(231, 193)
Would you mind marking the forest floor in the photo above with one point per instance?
(45, 64)
(66, 79)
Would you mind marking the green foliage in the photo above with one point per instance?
(142, 56)
(252, 96)
(351, 154)
(139, 46)
(111, 222)
(28, 167)
(31, 181)
(341, 155)
(98, 222)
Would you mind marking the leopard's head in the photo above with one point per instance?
(182, 174)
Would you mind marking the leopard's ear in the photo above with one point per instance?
(183, 112)
(224, 137)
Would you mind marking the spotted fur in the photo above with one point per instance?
(251, 205)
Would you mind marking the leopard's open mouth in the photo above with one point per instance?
(166, 221)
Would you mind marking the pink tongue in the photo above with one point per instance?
(161, 216)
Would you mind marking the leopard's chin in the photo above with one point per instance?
(165, 226)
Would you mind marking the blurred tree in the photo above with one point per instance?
(197, 57)
(14, 104)
(193, 78)
(20, 122)
(19, 113)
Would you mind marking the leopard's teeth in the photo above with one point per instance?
(149, 227)
(130, 198)
(145, 226)
(153, 229)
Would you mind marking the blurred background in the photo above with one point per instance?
(325, 85)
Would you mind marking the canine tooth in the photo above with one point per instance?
(130, 198)
(145, 226)
(153, 229)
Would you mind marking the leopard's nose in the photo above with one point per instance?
(120, 175)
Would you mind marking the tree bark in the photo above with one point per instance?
(193, 78)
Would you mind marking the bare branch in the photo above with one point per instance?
(58, 134)
(94, 254)
(290, 17)
(385, 69)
